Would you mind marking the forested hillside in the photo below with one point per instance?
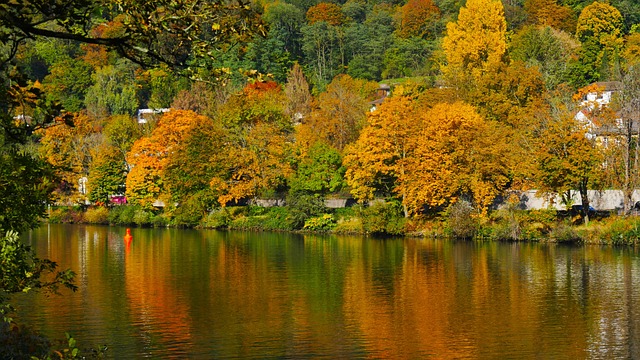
(284, 100)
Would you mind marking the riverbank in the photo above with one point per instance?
(384, 219)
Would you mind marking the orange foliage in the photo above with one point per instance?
(341, 111)
(376, 156)
(416, 17)
(97, 55)
(328, 12)
(455, 152)
(257, 162)
(68, 148)
(550, 13)
(149, 155)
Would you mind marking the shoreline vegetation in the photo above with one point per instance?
(378, 220)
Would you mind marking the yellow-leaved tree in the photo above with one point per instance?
(456, 153)
(476, 41)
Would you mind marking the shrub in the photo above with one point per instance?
(142, 217)
(320, 223)
(159, 220)
(97, 215)
(621, 231)
(564, 232)
(461, 222)
(383, 218)
(302, 206)
(352, 225)
(66, 215)
(217, 219)
(123, 215)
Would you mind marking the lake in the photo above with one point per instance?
(203, 294)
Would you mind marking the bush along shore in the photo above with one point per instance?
(383, 219)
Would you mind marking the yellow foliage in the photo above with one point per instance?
(457, 152)
(477, 40)
(374, 158)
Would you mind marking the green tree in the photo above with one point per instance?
(114, 91)
(107, 174)
(552, 51)
(320, 172)
(599, 30)
(67, 83)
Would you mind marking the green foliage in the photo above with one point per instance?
(114, 91)
(320, 223)
(383, 218)
(621, 231)
(123, 215)
(302, 206)
(27, 181)
(564, 233)
(321, 172)
(514, 224)
(67, 82)
(191, 212)
(97, 215)
(217, 219)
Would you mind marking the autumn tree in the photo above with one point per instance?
(631, 52)
(476, 41)
(550, 13)
(327, 12)
(457, 154)
(69, 149)
(256, 156)
(375, 161)
(599, 30)
(148, 156)
(299, 99)
(418, 18)
(341, 111)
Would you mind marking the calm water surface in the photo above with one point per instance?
(206, 294)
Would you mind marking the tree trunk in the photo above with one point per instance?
(585, 200)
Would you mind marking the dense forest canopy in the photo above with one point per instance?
(276, 91)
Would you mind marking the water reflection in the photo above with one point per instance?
(206, 294)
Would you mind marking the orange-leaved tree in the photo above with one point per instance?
(417, 18)
(69, 149)
(476, 41)
(259, 147)
(148, 156)
(327, 12)
(375, 161)
(341, 111)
